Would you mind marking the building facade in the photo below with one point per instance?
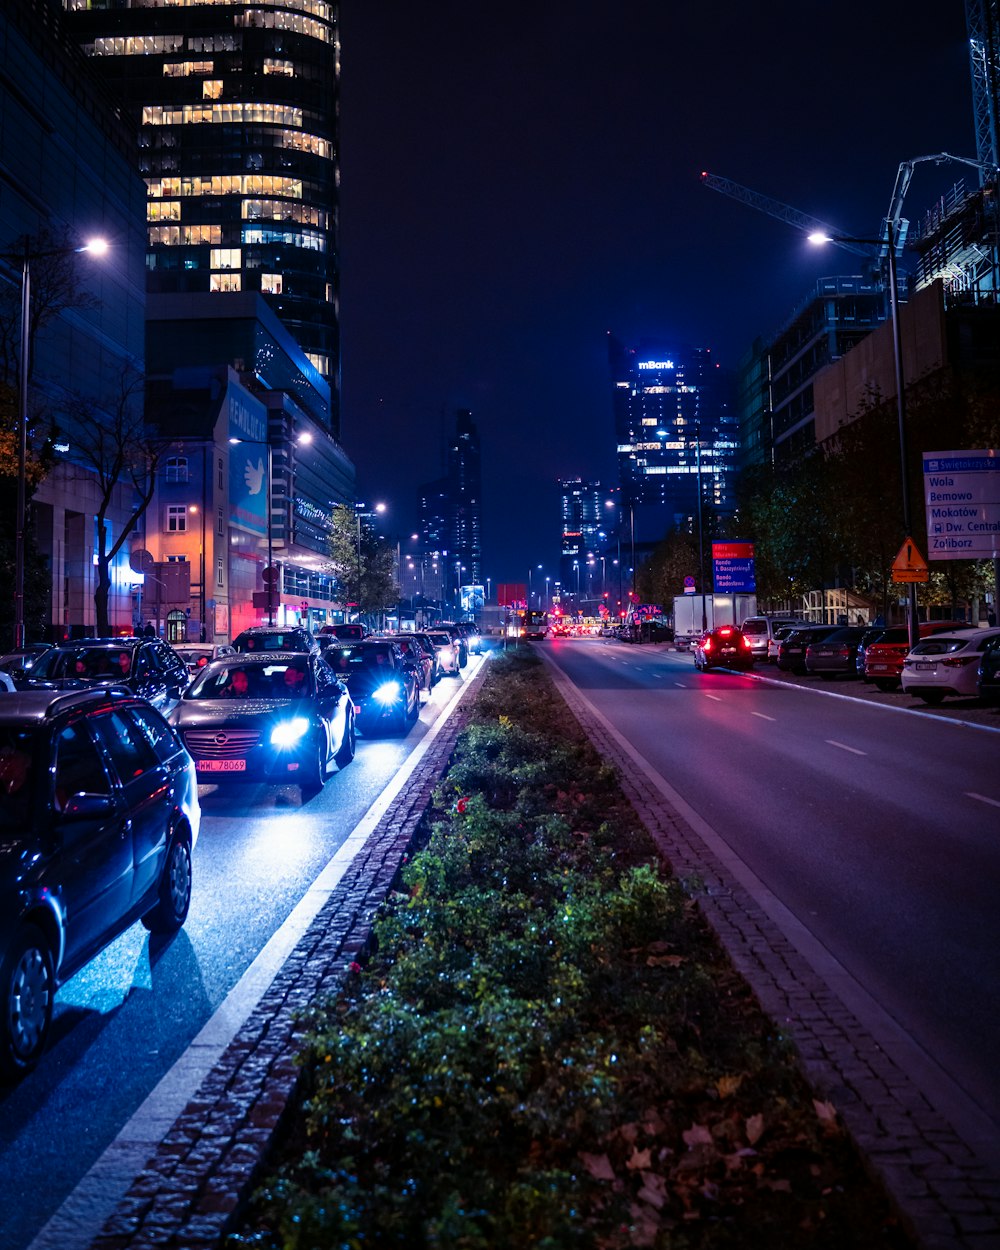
(583, 540)
(677, 435)
(450, 539)
(236, 113)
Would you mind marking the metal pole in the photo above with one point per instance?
(701, 538)
(22, 454)
(272, 585)
(897, 343)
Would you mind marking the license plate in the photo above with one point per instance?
(925, 668)
(877, 668)
(222, 766)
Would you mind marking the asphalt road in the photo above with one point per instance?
(878, 827)
(125, 1019)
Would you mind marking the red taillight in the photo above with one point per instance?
(707, 645)
(744, 641)
(960, 661)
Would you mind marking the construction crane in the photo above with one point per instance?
(904, 174)
(783, 212)
(982, 23)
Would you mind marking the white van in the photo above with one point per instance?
(759, 630)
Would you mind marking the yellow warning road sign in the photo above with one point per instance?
(909, 565)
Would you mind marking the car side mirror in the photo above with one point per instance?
(88, 807)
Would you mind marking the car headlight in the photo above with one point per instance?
(287, 732)
(389, 692)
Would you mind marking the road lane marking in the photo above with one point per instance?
(844, 747)
(716, 697)
(762, 716)
(971, 794)
(680, 685)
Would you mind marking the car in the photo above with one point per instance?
(836, 654)
(759, 630)
(99, 816)
(946, 664)
(421, 653)
(383, 683)
(6, 683)
(24, 658)
(988, 677)
(473, 638)
(447, 651)
(275, 638)
(780, 633)
(726, 646)
(457, 633)
(197, 654)
(884, 657)
(351, 631)
(147, 667)
(792, 649)
(278, 718)
(873, 634)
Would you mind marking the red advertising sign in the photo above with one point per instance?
(511, 594)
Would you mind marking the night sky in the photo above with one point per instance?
(519, 179)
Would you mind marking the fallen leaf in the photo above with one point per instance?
(640, 1160)
(827, 1113)
(697, 1135)
(755, 1127)
(654, 1189)
(728, 1085)
(599, 1166)
(664, 961)
(643, 1229)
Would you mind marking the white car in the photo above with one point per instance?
(946, 664)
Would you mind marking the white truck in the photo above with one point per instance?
(718, 610)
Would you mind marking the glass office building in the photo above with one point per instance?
(235, 105)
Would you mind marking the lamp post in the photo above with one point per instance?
(96, 247)
(897, 349)
(701, 537)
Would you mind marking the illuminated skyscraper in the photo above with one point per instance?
(677, 431)
(236, 107)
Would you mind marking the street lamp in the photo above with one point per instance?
(96, 247)
(701, 537)
(897, 347)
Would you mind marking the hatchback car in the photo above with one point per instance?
(723, 647)
(792, 650)
(946, 664)
(884, 657)
(836, 654)
(99, 815)
(383, 683)
(447, 651)
(419, 652)
(145, 666)
(281, 718)
(197, 655)
(759, 630)
(275, 638)
(781, 632)
(458, 634)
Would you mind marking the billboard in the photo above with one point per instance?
(248, 484)
(472, 598)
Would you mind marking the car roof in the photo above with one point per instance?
(37, 706)
(963, 635)
(241, 659)
(128, 640)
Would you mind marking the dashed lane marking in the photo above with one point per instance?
(844, 747)
(762, 716)
(716, 697)
(971, 794)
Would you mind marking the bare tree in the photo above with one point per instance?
(120, 450)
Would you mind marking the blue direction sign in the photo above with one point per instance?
(733, 569)
(962, 494)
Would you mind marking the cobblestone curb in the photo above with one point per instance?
(191, 1192)
(949, 1199)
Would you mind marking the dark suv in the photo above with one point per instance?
(99, 814)
(275, 638)
(145, 666)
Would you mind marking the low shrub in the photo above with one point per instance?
(547, 1047)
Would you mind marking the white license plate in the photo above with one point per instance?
(925, 668)
(878, 668)
(222, 766)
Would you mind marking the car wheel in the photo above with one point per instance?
(28, 985)
(885, 686)
(349, 745)
(414, 714)
(171, 910)
(315, 777)
(933, 697)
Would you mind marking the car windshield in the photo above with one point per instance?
(281, 680)
(277, 641)
(440, 640)
(84, 662)
(939, 646)
(17, 751)
(366, 657)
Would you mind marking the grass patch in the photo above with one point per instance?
(547, 1047)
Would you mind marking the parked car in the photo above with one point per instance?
(473, 638)
(25, 658)
(946, 664)
(457, 633)
(383, 684)
(145, 666)
(351, 631)
(197, 655)
(6, 683)
(792, 650)
(279, 717)
(836, 654)
(723, 647)
(759, 630)
(873, 634)
(99, 814)
(780, 633)
(884, 658)
(275, 638)
(988, 677)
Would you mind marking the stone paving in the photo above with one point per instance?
(190, 1193)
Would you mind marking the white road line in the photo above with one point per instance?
(971, 794)
(680, 685)
(762, 716)
(716, 697)
(844, 747)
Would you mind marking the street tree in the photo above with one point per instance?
(361, 562)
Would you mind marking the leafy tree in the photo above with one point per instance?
(361, 562)
(661, 577)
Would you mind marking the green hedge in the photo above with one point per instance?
(546, 1046)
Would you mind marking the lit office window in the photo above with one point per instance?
(270, 283)
(225, 282)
